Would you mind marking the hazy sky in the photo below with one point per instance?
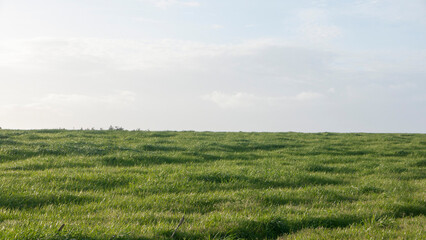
(218, 65)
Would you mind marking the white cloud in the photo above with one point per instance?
(390, 10)
(317, 32)
(191, 3)
(169, 3)
(272, 59)
(251, 25)
(148, 20)
(236, 100)
(61, 102)
(58, 110)
(306, 96)
(119, 98)
(316, 27)
(217, 26)
(138, 54)
(69, 78)
(244, 100)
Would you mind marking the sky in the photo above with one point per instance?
(214, 65)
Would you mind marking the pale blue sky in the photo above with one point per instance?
(221, 65)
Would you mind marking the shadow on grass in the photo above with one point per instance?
(156, 148)
(44, 166)
(328, 169)
(203, 156)
(63, 149)
(275, 227)
(97, 183)
(48, 131)
(71, 235)
(19, 201)
(165, 134)
(370, 189)
(16, 154)
(420, 163)
(411, 209)
(181, 235)
(118, 161)
(3, 136)
(5, 141)
(90, 149)
(284, 199)
(415, 174)
(271, 228)
(154, 159)
(327, 150)
(245, 147)
(230, 181)
(190, 205)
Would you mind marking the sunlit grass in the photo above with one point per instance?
(139, 184)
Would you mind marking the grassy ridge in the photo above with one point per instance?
(137, 185)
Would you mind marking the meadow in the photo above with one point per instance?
(139, 184)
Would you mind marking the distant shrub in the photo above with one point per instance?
(115, 128)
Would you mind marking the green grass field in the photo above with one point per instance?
(139, 184)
